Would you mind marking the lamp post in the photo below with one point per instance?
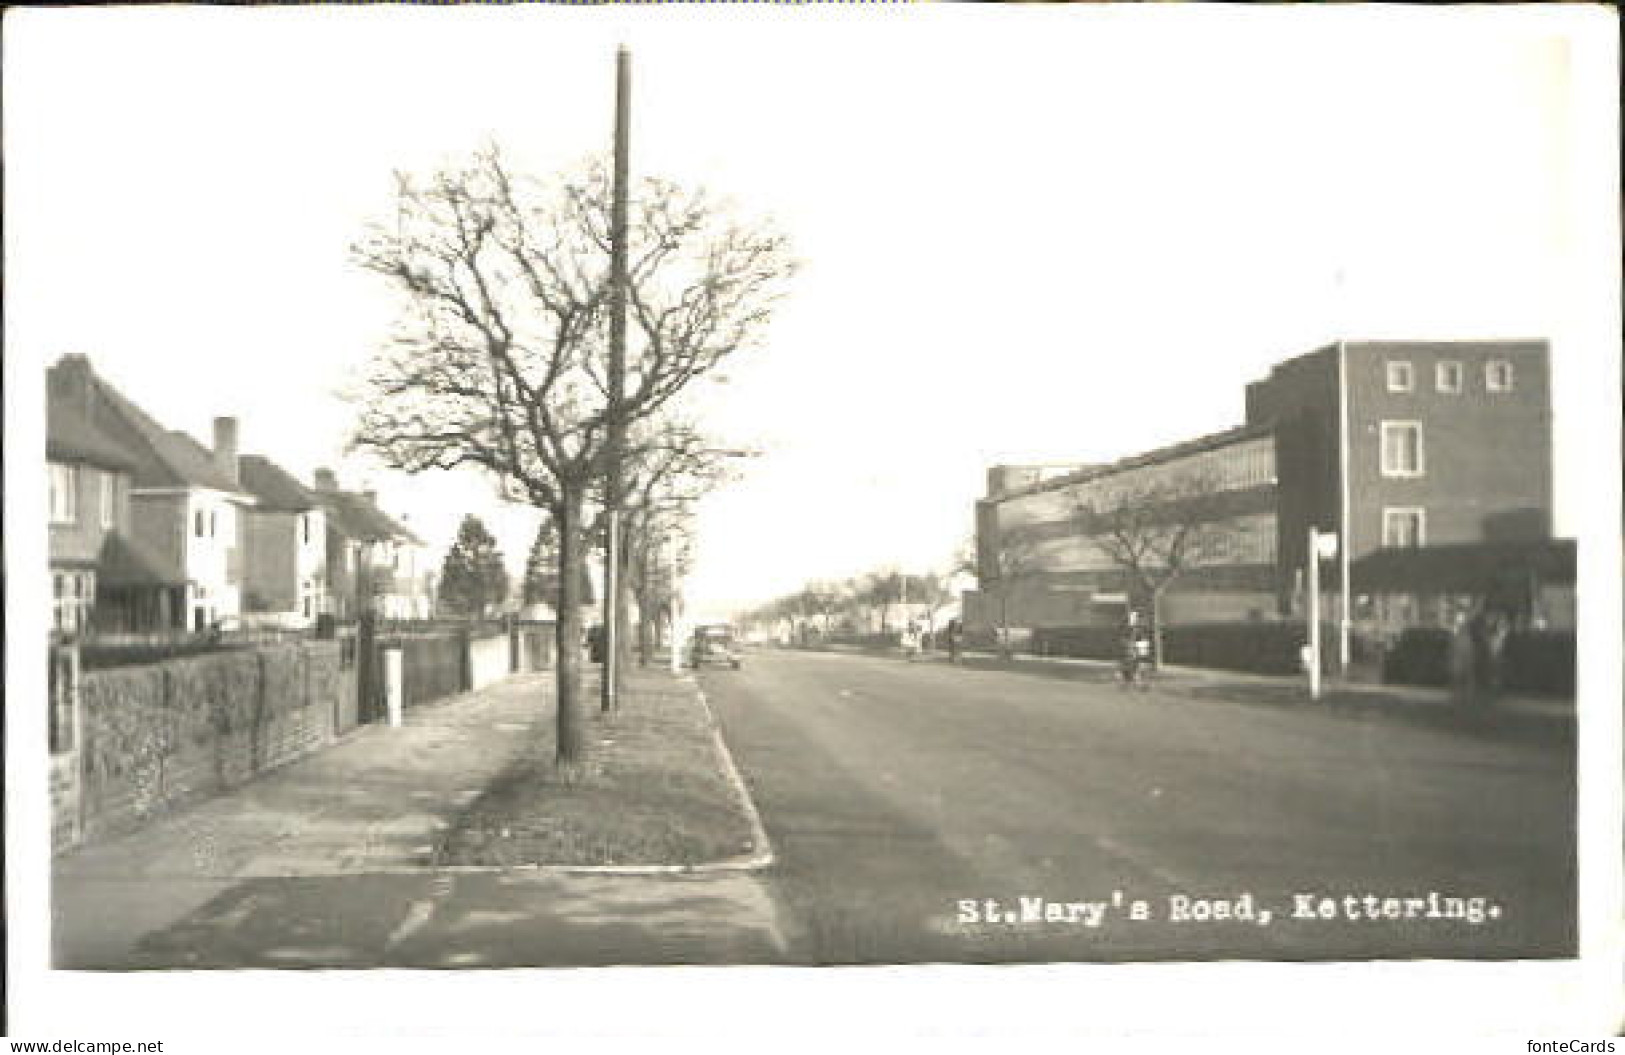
(616, 425)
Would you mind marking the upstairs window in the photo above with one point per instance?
(1447, 376)
(211, 523)
(109, 495)
(1402, 448)
(1403, 528)
(64, 494)
(197, 523)
(1401, 376)
(1498, 375)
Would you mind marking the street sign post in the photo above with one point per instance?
(1322, 546)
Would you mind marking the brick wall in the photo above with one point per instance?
(159, 521)
(271, 551)
(1487, 456)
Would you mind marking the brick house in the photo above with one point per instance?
(285, 577)
(185, 502)
(368, 551)
(101, 578)
(1432, 459)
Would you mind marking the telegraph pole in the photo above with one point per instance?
(616, 431)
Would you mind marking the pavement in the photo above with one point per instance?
(1537, 716)
(920, 811)
(324, 863)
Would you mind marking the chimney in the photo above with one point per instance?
(225, 447)
(371, 496)
(326, 481)
(72, 381)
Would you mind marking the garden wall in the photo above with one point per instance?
(152, 736)
(489, 660)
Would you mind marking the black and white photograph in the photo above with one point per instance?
(1014, 518)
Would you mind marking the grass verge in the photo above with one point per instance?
(655, 793)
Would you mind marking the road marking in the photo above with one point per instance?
(420, 911)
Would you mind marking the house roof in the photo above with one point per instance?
(162, 457)
(126, 561)
(359, 517)
(273, 486)
(1463, 567)
(70, 437)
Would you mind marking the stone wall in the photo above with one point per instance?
(154, 736)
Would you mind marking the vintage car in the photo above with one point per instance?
(715, 645)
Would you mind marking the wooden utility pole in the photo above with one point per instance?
(617, 382)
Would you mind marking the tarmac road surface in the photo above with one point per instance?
(929, 813)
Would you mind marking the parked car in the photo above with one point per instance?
(714, 644)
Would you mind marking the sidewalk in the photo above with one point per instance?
(1542, 717)
(337, 847)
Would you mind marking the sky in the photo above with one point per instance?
(1043, 236)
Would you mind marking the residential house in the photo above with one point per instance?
(285, 582)
(185, 506)
(371, 554)
(100, 577)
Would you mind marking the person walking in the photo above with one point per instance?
(911, 641)
(953, 640)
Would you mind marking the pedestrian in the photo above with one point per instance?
(1462, 660)
(953, 640)
(911, 641)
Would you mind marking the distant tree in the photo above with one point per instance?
(473, 580)
(541, 582)
(1155, 530)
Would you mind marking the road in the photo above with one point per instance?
(914, 805)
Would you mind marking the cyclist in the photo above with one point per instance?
(1134, 665)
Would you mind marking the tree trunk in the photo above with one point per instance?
(1004, 626)
(1156, 628)
(571, 755)
(646, 618)
(622, 602)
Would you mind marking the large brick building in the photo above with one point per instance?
(1433, 459)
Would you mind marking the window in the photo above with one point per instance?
(211, 523)
(1401, 378)
(1447, 376)
(109, 495)
(1498, 375)
(1402, 448)
(1403, 528)
(72, 595)
(197, 523)
(64, 494)
(304, 526)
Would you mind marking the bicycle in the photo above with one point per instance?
(1134, 669)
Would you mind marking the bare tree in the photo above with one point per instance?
(667, 459)
(1002, 564)
(500, 358)
(1156, 530)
